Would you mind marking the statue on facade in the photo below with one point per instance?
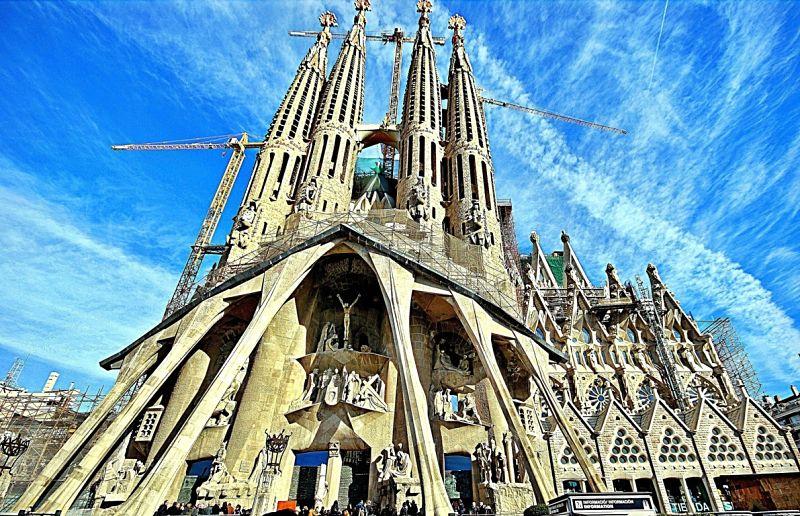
(332, 388)
(444, 350)
(475, 224)
(243, 222)
(328, 338)
(641, 359)
(347, 308)
(308, 195)
(417, 205)
(393, 462)
(492, 463)
(468, 411)
(312, 389)
(118, 477)
(224, 410)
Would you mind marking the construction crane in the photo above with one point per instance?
(653, 319)
(202, 244)
(555, 116)
(398, 38)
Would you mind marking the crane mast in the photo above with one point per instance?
(201, 245)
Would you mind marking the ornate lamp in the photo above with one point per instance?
(12, 448)
(274, 446)
(271, 455)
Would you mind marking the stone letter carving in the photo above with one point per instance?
(417, 205)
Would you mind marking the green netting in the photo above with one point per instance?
(556, 263)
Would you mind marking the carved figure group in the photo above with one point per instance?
(118, 478)
(221, 484)
(445, 350)
(333, 386)
(491, 460)
(393, 462)
(465, 410)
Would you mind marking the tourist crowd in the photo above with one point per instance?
(360, 509)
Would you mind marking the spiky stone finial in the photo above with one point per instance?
(363, 5)
(564, 236)
(457, 23)
(424, 6)
(328, 19)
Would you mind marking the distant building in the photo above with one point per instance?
(786, 411)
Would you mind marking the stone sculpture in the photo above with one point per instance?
(308, 196)
(346, 309)
(418, 201)
(492, 464)
(333, 387)
(222, 414)
(443, 407)
(393, 462)
(243, 222)
(475, 224)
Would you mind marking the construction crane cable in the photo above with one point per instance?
(555, 116)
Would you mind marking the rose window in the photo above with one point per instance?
(645, 395)
(598, 396)
(698, 390)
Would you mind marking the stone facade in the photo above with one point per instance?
(396, 351)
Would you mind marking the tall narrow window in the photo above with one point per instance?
(421, 156)
(293, 177)
(266, 175)
(487, 194)
(433, 163)
(460, 167)
(409, 156)
(321, 157)
(445, 180)
(335, 154)
(473, 177)
(282, 172)
(345, 160)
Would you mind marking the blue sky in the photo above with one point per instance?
(706, 185)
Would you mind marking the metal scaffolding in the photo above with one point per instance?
(732, 354)
(48, 419)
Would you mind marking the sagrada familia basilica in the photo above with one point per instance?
(392, 344)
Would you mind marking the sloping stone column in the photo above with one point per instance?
(526, 346)
(478, 324)
(197, 323)
(397, 285)
(285, 278)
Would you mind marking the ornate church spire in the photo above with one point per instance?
(472, 204)
(420, 181)
(267, 200)
(328, 176)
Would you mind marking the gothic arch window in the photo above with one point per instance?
(539, 333)
(586, 336)
(631, 335)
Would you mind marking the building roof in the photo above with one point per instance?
(348, 233)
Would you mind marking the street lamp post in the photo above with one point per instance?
(12, 448)
(270, 459)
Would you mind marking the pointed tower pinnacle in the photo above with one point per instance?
(472, 204)
(268, 198)
(328, 172)
(420, 182)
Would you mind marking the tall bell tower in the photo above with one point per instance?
(472, 203)
(420, 182)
